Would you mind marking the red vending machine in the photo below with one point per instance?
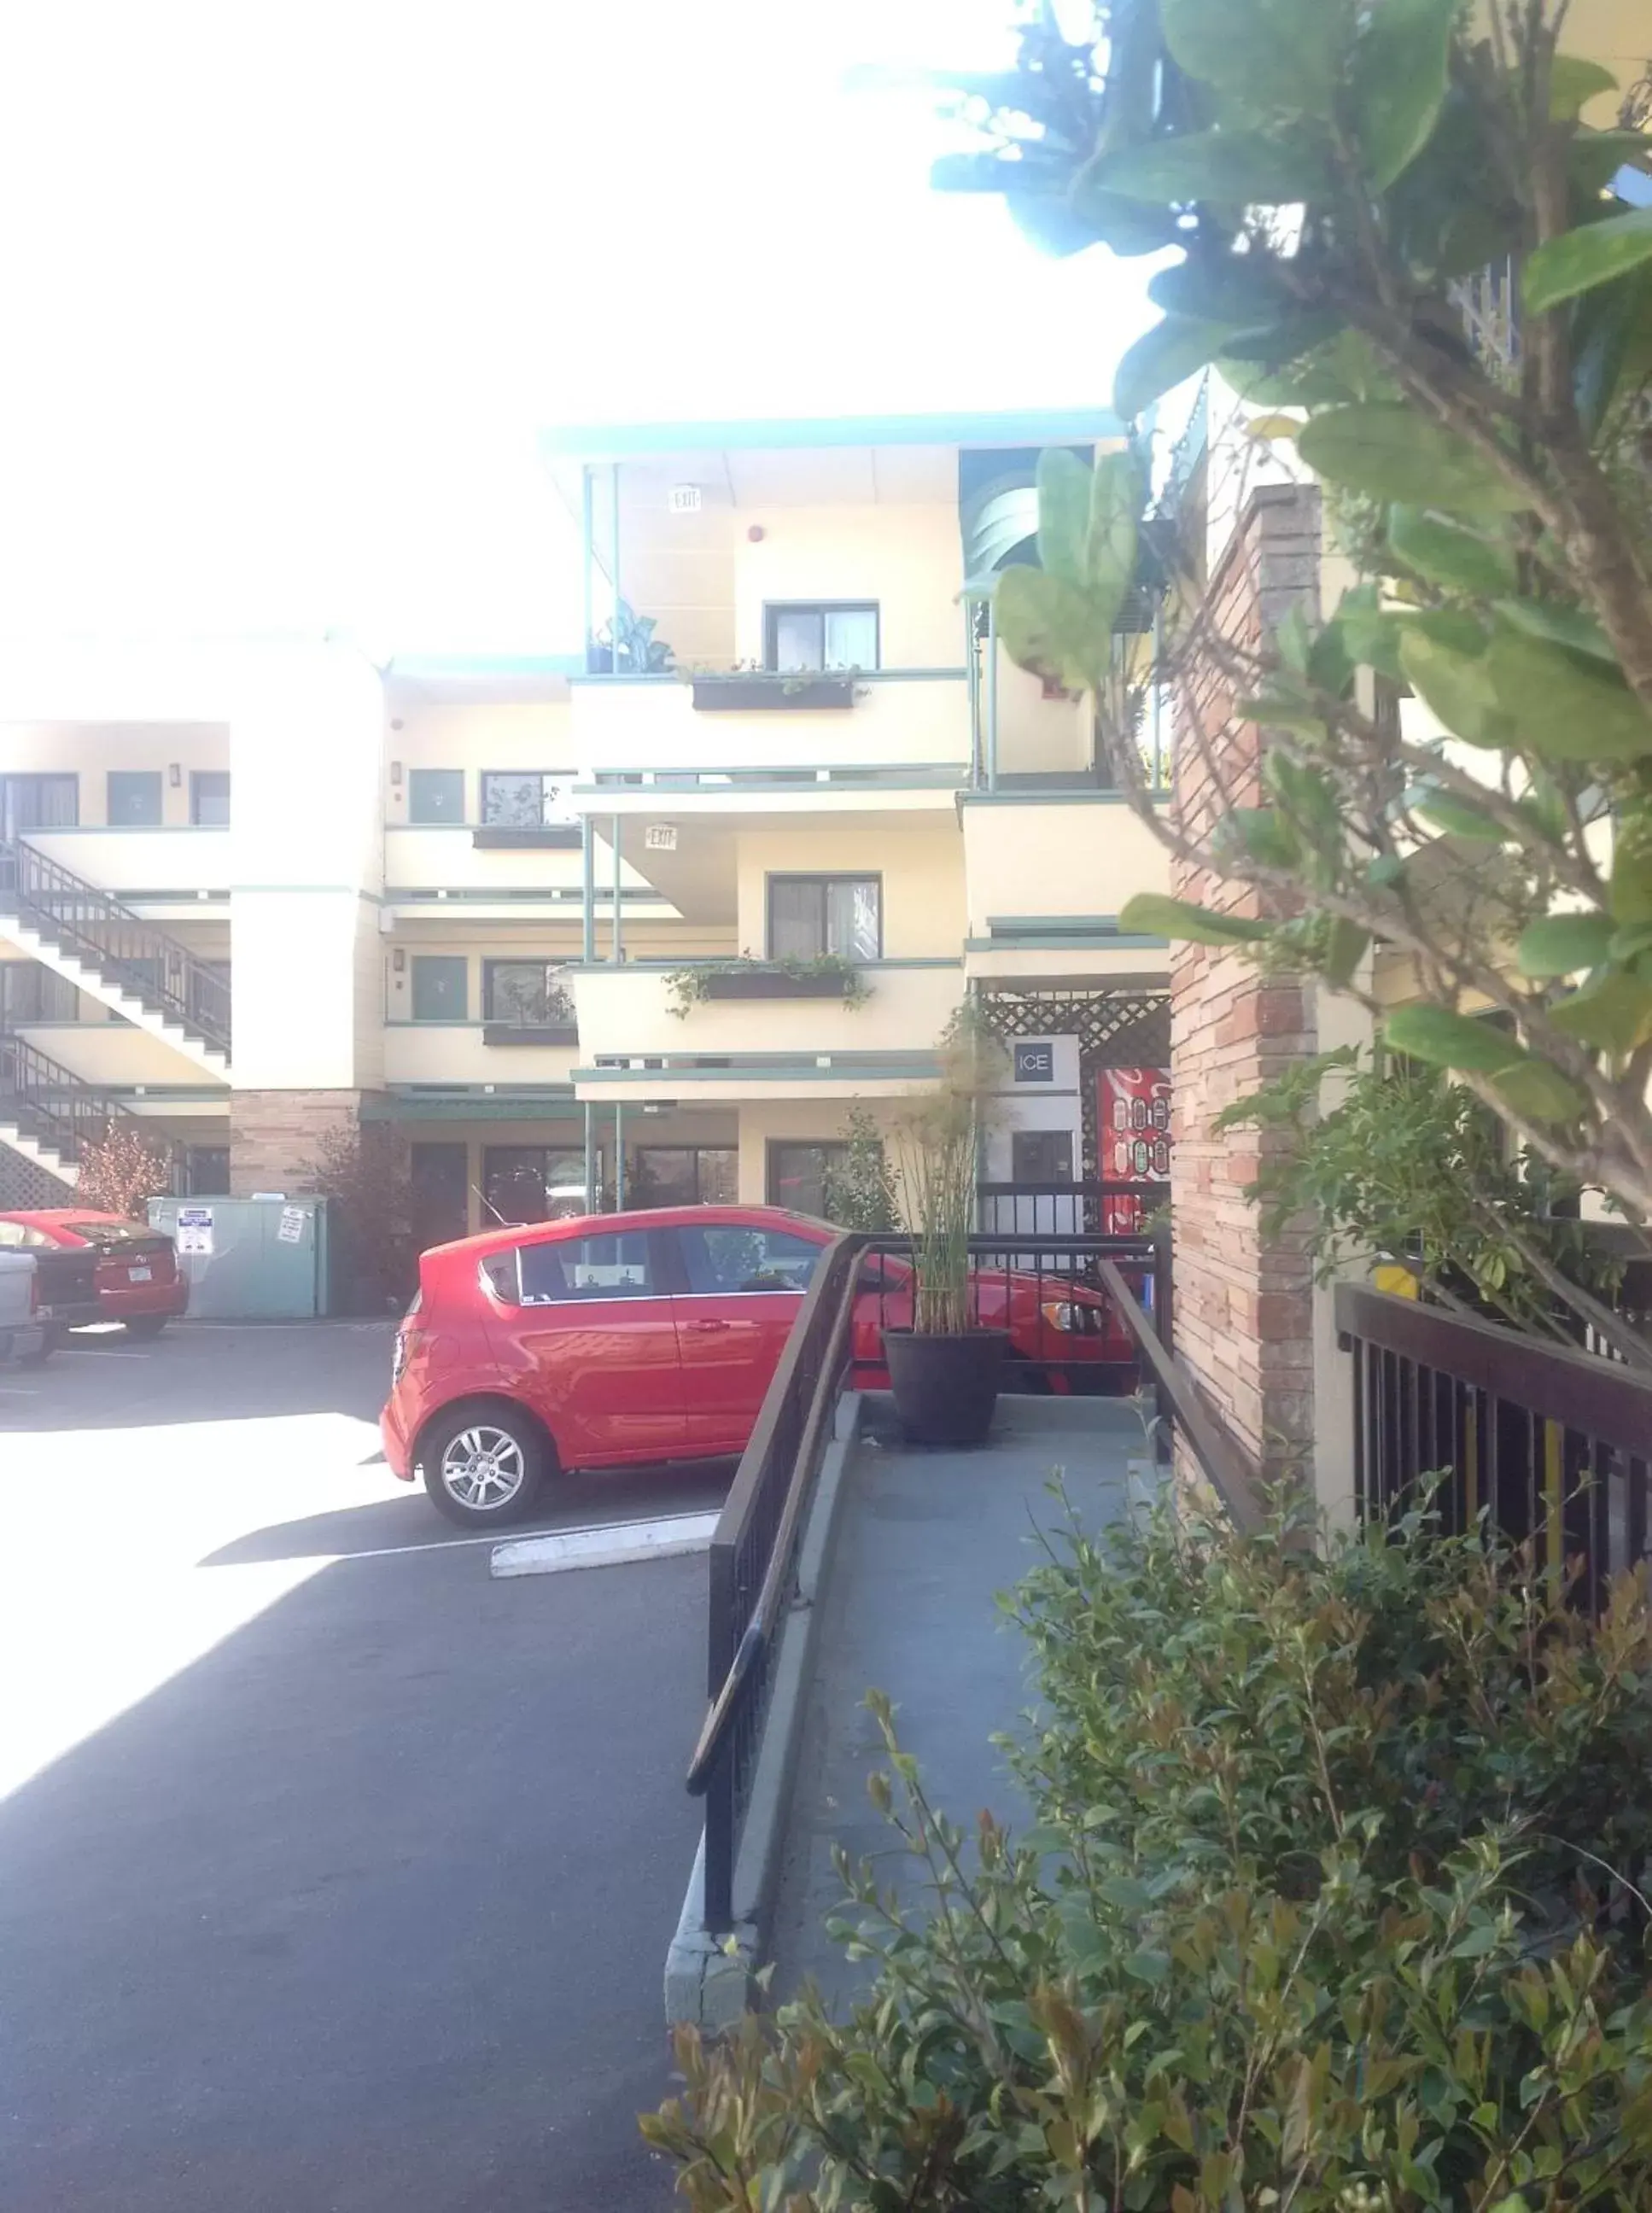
(1133, 1131)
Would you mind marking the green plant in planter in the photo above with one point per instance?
(689, 986)
(629, 644)
(935, 1137)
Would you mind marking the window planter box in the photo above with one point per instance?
(774, 984)
(523, 1033)
(725, 694)
(554, 837)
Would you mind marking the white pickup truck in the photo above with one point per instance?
(25, 1334)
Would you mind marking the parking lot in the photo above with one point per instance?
(333, 1874)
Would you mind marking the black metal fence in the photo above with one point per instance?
(1551, 1446)
(124, 949)
(49, 1103)
(1069, 1210)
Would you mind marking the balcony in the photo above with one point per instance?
(478, 1053)
(1045, 875)
(883, 724)
(156, 866)
(804, 1041)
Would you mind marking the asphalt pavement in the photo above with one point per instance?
(334, 1877)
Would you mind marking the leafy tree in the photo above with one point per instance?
(366, 1169)
(120, 1171)
(1397, 1164)
(1351, 185)
(860, 1183)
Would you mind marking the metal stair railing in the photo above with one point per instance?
(164, 976)
(51, 1104)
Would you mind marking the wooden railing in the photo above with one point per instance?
(1550, 1445)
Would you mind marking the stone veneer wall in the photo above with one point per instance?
(1243, 1304)
(274, 1136)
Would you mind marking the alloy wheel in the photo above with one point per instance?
(484, 1468)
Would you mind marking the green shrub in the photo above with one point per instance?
(1333, 1902)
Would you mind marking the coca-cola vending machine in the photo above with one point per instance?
(1133, 1133)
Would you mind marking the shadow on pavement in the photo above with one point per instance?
(364, 1907)
(571, 1502)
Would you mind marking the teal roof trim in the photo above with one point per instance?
(1008, 427)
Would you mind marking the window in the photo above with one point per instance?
(527, 994)
(514, 799)
(610, 1266)
(38, 803)
(209, 798)
(206, 1171)
(134, 798)
(32, 992)
(532, 1182)
(798, 1174)
(441, 987)
(16, 1234)
(732, 1259)
(436, 795)
(821, 636)
(812, 915)
(684, 1175)
(1042, 1156)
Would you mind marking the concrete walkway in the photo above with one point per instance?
(926, 1540)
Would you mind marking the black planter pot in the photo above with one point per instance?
(773, 983)
(945, 1388)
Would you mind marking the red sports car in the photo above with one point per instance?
(135, 1276)
(617, 1340)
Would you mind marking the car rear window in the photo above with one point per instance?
(112, 1233)
(498, 1273)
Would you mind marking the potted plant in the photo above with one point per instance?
(945, 1369)
(827, 975)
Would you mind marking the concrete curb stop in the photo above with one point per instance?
(707, 1979)
(606, 1545)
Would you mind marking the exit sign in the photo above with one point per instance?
(684, 499)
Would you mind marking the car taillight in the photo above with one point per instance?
(1076, 1320)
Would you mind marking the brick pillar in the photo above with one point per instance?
(1243, 1302)
(276, 1135)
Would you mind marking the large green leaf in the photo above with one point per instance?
(1450, 812)
(1579, 259)
(1573, 82)
(1401, 76)
(1162, 358)
(1537, 1089)
(1236, 168)
(1458, 688)
(1632, 865)
(1051, 627)
(1063, 482)
(1563, 944)
(1448, 554)
(1150, 914)
(1565, 708)
(1227, 289)
(1128, 227)
(1258, 833)
(1390, 451)
(1613, 1012)
(1344, 949)
(1448, 1040)
(1118, 491)
(1561, 625)
(1263, 57)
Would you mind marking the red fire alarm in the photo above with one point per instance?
(756, 534)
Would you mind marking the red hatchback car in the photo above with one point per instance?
(618, 1339)
(137, 1278)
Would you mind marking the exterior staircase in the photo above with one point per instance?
(48, 1116)
(106, 950)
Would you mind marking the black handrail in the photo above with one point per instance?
(754, 1549)
(155, 969)
(1550, 1445)
(50, 1103)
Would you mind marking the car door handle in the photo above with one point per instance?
(708, 1322)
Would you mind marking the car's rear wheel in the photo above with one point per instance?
(483, 1464)
(147, 1324)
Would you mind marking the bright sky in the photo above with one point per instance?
(287, 288)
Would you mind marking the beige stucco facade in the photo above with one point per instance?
(363, 890)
